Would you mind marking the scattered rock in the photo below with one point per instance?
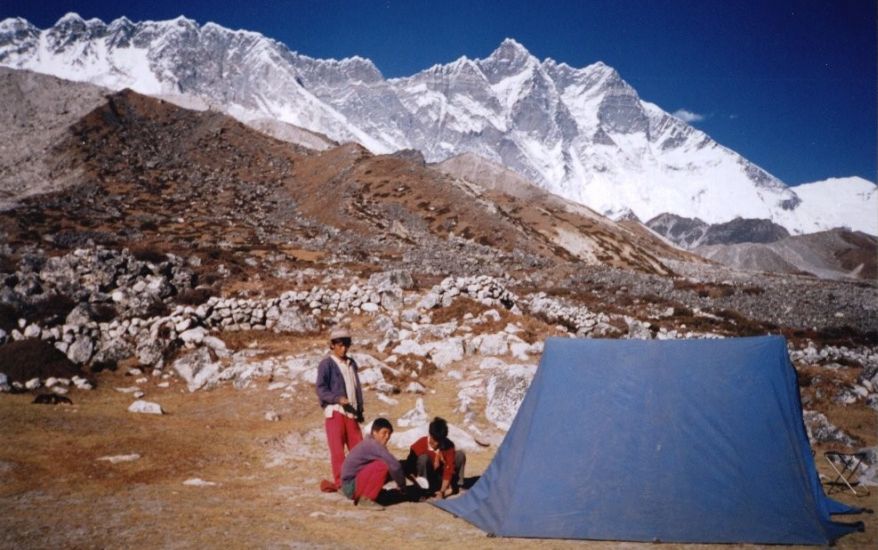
(416, 416)
(869, 468)
(145, 407)
(198, 482)
(80, 351)
(821, 430)
(115, 459)
(198, 369)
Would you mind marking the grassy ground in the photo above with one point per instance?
(55, 493)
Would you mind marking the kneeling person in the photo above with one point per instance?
(435, 458)
(366, 468)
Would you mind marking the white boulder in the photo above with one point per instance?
(198, 369)
(447, 351)
(145, 407)
(505, 392)
(193, 336)
(415, 416)
(80, 350)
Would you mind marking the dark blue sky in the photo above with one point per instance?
(789, 84)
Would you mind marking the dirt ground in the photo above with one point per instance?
(54, 492)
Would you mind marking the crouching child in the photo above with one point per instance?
(434, 457)
(369, 465)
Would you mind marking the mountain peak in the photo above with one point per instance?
(183, 21)
(12, 24)
(509, 49)
(73, 19)
(70, 17)
(510, 58)
(121, 21)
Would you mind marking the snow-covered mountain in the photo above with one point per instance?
(851, 203)
(581, 133)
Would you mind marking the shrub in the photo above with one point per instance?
(836, 336)
(211, 278)
(683, 311)
(157, 309)
(31, 358)
(744, 326)
(150, 255)
(50, 311)
(103, 313)
(458, 308)
(7, 264)
(194, 297)
(8, 317)
(99, 366)
(705, 290)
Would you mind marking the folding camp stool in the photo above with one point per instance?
(850, 464)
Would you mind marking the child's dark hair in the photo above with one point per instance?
(380, 423)
(439, 429)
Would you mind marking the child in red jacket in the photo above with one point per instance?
(435, 458)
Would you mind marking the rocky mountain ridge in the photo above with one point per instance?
(690, 233)
(580, 133)
(836, 254)
(763, 246)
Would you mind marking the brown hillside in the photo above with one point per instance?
(154, 175)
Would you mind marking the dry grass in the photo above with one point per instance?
(832, 336)
(456, 311)
(55, 493)
(705, 290)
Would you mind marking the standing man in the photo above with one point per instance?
(341, 397)
(368, 466)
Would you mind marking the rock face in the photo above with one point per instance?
(582, 133)
(836, 254)
(690, 233)
(505, 392)
(761, 245)
(49, 106)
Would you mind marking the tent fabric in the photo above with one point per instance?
(673, 441)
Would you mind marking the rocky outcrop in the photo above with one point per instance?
(691, 233)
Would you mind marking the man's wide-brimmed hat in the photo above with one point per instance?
(339, 332)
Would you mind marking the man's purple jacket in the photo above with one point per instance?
(330, 383)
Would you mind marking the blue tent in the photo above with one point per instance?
(676, 441)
